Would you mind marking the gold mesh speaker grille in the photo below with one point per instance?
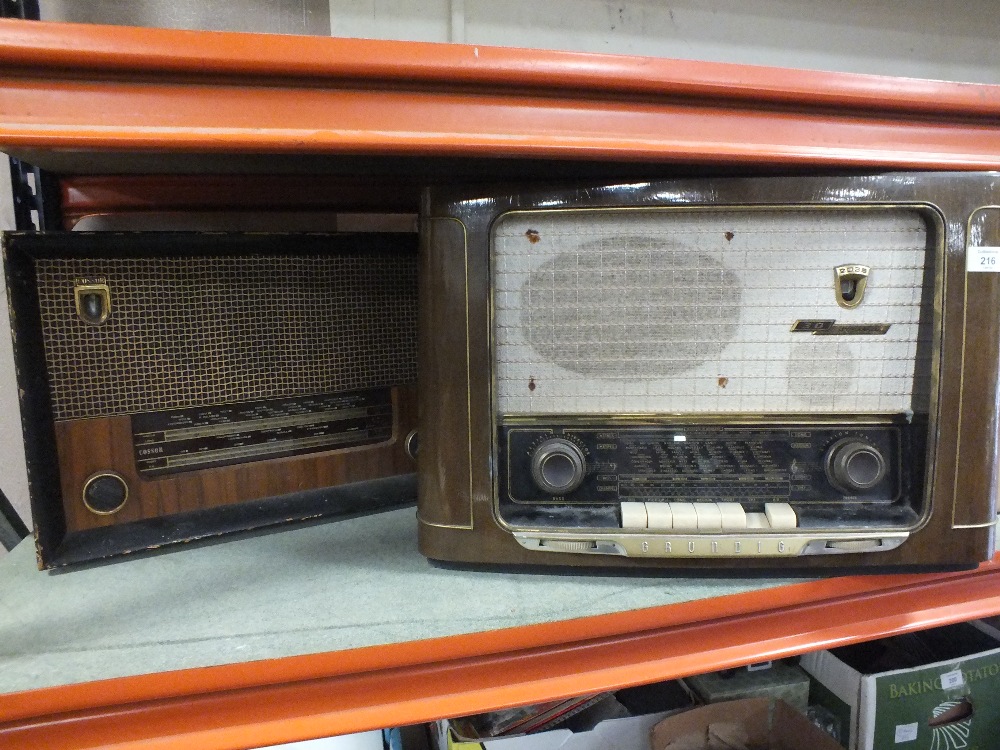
(192, 331)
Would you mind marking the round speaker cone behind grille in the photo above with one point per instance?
(635, 309)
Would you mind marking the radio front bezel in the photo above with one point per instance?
(458, 519)
(724, 201)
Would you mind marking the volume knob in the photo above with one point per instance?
(853, 465)
(558, 466)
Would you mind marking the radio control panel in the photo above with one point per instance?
(692, 463)
(710, 489)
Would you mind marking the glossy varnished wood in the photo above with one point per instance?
(456, 348)
(89, 446)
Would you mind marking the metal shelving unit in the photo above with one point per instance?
(86, 101)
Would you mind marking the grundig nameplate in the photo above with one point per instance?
(198, 438)
(833, 328)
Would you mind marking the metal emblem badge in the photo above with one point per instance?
(849, 284)
(93, 300)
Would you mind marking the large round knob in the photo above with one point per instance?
(558, 466)
(853, 465)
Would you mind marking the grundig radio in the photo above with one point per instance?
(794, 371)
(182, 385)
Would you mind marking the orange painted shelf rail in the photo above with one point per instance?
(342, 627)
(99, 663)
(69, 87)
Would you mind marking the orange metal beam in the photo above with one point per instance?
(40, 113)
(91, 87)
(235, 706)
(76, 50)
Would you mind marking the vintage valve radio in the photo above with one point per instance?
(793, 371)
(176, 385)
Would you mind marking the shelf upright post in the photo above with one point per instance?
(26, 9)
(12, 528)
(36, 198)
(34, 190)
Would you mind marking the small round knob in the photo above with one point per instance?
(558, 466)
(853, 465)
(105, 493)
(411, 445)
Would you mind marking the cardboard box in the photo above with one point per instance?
(763, 723)
(360, 741)
(938, 689)
(624, 733)
(780, 681)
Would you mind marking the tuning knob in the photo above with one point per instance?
(558, 466)
(853, 465)
(105, 493)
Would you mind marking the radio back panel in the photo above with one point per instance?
(689, 372)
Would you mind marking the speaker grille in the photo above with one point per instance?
(192, 331)
(689, 311)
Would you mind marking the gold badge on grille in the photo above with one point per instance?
(93, 300)
(849, 284)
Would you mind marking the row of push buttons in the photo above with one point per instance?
(688, 517)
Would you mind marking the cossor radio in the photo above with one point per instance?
(751, 371)
(180, 385)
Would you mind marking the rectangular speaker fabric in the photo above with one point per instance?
(691, 311)
(181, 385)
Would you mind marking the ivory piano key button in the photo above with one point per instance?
(659, 516)
(757, 521)
(709, 516)
(685, 517)
(733, 516)
(633, 515)
(780, 515)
